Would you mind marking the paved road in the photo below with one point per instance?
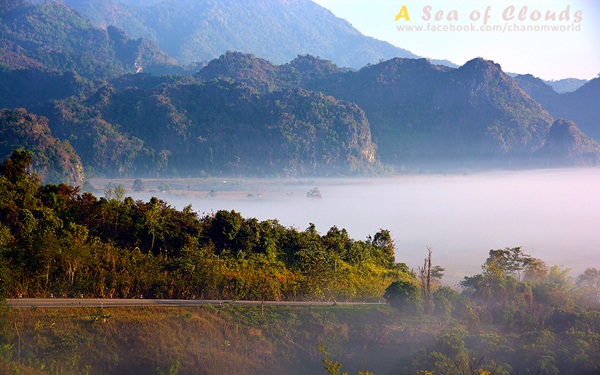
(83, 302)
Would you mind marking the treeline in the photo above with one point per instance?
(58, 242)
(518, 316)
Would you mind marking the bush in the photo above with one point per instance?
(404, 296)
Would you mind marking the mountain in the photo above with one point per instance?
(538, 89)
(55, 161)
(567, 145)
(277, 30)
(265, 76)
(580, 106)
(35, 89)
(243, 115)
(565, 85)
(481, 97)
(420, 112)
(220, 127)
(51, 36)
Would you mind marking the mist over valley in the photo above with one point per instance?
(552, 213)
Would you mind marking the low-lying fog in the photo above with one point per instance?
(553, 214)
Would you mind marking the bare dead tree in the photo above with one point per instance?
(425, 278)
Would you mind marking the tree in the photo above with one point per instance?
(17, 166)
(334, 367)
(429, 276)
(536, 271)
(384, 244)
(138, 185)
(115, 197)
(589, 283)
(403, 295)
(510, 261)
(5, 270)
(223, 228)
(425, 276)
(313, 193)
(153, 218)
(444, 297)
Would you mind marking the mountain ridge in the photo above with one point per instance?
(202, 31)
(244, 115)
(52, 36)
(568, 145)
(580, 106)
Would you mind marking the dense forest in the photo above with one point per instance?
(57, 241)
(518, 316)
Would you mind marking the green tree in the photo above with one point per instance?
(403, 295)
(114, 197)
(153, 219)
(510, 261)
(589, 283)
(443, 299)
(138, 185)
(335, 367)
(5, 270)
(17, 166)
(385, 248)
(222, 229)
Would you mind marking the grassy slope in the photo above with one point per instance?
(205, 340)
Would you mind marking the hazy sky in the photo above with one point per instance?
(573, 50)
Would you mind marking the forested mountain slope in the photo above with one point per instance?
(51, 36)
(277, 30)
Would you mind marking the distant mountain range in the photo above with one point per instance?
(420, 113)
(89, 103)
(278, 30)
(581, 106)
(565, 85)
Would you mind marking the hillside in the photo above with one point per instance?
(266, 76)
(53, 160)
(419, 113)
(422, 113)
(580, 106)
(243, 115)
(568, 145)
(219, 127)
(539, 90)
(51, 36)
(277, 30)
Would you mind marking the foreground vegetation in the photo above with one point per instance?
(55, 241)
(197, 340)
(518, 316)
(465, 336)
